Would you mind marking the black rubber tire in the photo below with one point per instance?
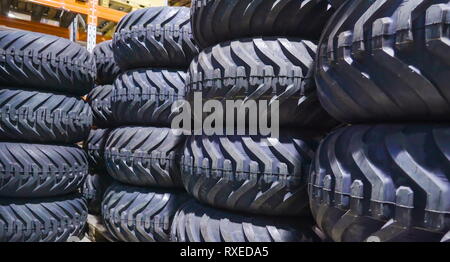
(36, 170)
(216, 21)
(154, 37)
(194, 222)
(383, 183)
(266, 68)
(43, 219)
(145, 96)
(336, 3)
(31, 116)
(386, 62)
(95, 148)
(100, 101)
(251, 174)
(446, 238)
(45, 62)
(145, 156)
(136, 214)
(107, 70)
(93, 190)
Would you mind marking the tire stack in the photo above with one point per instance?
(153, 48)
(253, 188)
(100, 101)
(384, 66)
(42, 116)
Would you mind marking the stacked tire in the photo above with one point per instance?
(152, 47)
(384, 67)
(42, 117)
(100, 101)
(253, 187)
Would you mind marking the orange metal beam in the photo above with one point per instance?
(44, 28)
(82, 8)
(109, 14)
(68, 5)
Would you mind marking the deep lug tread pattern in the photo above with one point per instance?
(93, 190)
(136, 214)
(45, 62)
(95, 148)
(35, 170)
(154, 37)
(386, 61)
(32, 116)
(383, 183)
(145, 96)
(145, 156)
(100, 101)
(43, 219)
(250, 173)
(194, 222)
(216, 21)
(107, 70)
(266, 69)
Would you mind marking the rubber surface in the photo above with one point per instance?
(386, 61)
(216, 21)
(144, 156)
(93, 190)
(94, 145)
(197, 223)
(336, 3)
(31, 116)
(446, 238)
(136, 214)
(42, 220)
(270, 69)
(145, 96)
(251, 174)
(383, 183)
(44, 62)
(35, 170)
(154, 37)
(107, 70)
(100, 101)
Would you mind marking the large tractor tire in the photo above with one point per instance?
(100, 101)
(107, 69)
(383, 183)
(45, 63)
(145, 96)
(94, 145)
(386, 61)
(137, 214)
(252, 174)
(94, 189)
(36, 170)
(32, 116)
(42, 219)
(197, 223)
(216, 21)
(154, 37)
(270, 69)
(144, 156)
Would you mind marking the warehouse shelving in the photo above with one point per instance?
(101, 16)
